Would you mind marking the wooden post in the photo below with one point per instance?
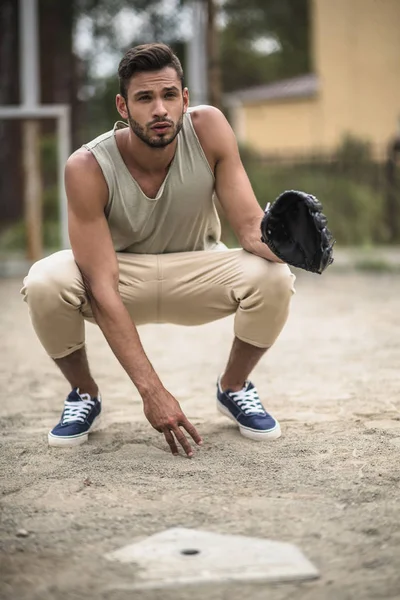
(32, 189)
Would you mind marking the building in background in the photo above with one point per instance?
(354, 89)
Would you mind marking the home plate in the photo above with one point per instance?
(181, 556)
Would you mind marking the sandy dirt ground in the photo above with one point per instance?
(331, 484)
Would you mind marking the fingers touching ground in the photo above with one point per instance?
(174, 432)
(165, 414)
(171, 442)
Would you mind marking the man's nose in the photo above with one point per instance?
(159, 109)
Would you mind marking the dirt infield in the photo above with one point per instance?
(331, 484)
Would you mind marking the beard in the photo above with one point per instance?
(152, 139)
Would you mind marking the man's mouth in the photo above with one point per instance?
(161, 127)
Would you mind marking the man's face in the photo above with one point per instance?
(155, 106)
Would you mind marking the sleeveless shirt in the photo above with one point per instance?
(181, 218)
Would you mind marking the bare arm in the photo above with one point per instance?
(95, 256)
(232, 184)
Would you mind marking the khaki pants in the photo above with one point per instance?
(186, 288)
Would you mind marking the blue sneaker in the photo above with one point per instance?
(245, 408)
(79, 414)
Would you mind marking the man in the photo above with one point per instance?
(145, 237)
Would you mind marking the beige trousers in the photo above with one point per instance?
(186, 288)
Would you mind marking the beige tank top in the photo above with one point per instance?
(181, 218)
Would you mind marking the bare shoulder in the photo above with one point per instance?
(208, 120)
(82, 160)
(84, 179)
(204, 115)
(213, 130)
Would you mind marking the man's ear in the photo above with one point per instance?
(186, 99)
(120, 103)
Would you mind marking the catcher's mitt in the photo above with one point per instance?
(295, 229)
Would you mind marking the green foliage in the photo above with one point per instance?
(354, 206)
(14, 237)
(286, 21)
(242, 67)
(102, 112)
(354, 151)
(376, 265)
(48, 158)
(354, 210)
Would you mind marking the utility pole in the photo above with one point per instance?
(213, 55)
(29, 85)
(197, 54)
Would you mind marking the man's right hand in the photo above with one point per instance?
(165, 414)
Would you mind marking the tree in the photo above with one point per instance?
(287, 22)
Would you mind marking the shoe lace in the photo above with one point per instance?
(248, 401)
(78, 410)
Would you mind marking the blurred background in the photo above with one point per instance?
(311, 88)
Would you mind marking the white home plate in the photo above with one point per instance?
(181, 556)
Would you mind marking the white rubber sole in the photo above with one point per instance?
(252, 434)
(56, 441)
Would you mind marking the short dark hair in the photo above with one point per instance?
(147, 57)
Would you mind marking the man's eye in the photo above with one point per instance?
(144, 98)
(170, 95)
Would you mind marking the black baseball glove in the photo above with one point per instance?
(295, 229)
